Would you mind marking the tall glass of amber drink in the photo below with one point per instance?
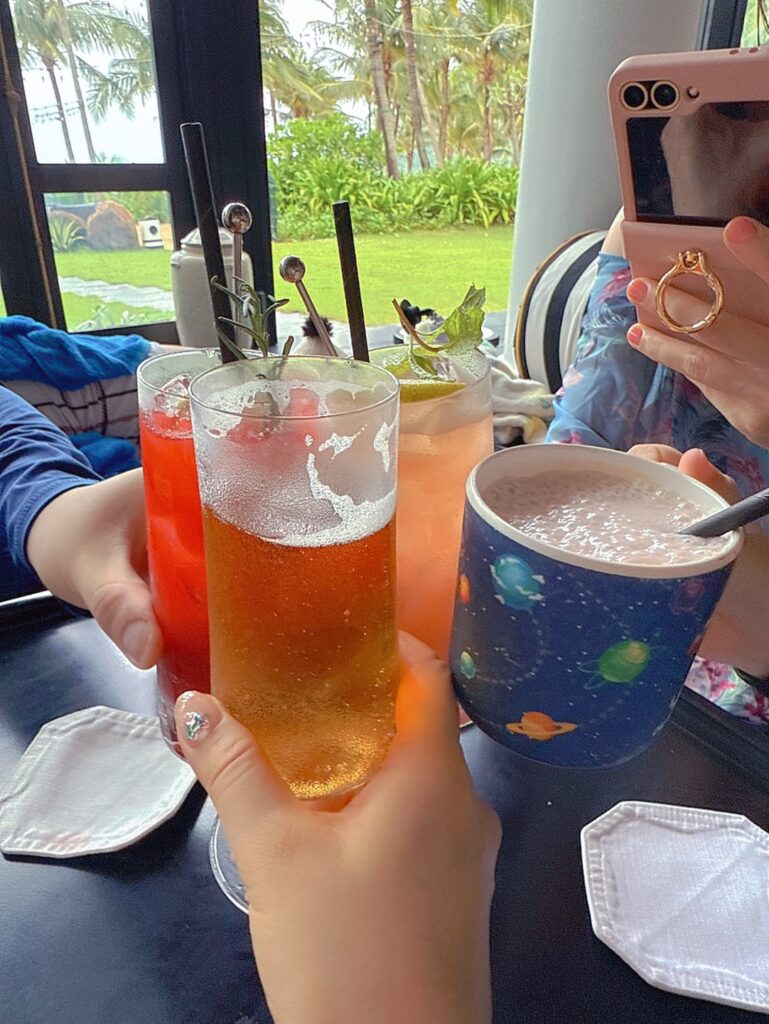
(445, 431)
(174, 525)
(297, 465)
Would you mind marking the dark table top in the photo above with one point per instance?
(144, 936)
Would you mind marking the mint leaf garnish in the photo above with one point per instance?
(464, 326)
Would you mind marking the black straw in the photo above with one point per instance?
(349, 264)
(740, 514)
(199, 173)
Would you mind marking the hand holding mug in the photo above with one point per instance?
(736, 632)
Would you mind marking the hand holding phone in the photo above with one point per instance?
(692, 136)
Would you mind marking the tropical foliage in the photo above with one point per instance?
(67, 232)
(411, 109)
(315, 162)
(755, 27)
(440, 84)
(441, 77)
(62, 37)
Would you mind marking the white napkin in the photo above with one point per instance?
(682, 895)
(519, 406)
(91, 782)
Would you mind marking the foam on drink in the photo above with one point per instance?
(612, 519)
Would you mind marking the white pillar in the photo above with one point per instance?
(568, 181)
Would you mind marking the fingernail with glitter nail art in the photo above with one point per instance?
(196, 716)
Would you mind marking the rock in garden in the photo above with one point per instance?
(112, 227)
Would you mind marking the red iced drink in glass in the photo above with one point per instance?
(174, 526)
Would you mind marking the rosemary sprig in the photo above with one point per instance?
(253, 307)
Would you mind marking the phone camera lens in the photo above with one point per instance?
(664, 95)
(634, 96)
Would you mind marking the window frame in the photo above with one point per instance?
(192, 43)
(721, 24)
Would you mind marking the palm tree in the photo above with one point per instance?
(128, 79)
(57, 34)
(292, 78)
(363, 43)
(497, 39)
(415, 104)
(37, 44)
(441, 44)
(385, 114)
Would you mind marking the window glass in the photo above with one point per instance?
(89, 80)
(112, 252)
(755, 28)
(418, 126)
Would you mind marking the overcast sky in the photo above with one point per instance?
(137, 140)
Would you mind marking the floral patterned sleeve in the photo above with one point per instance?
(612, 395)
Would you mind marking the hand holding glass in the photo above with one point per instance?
(296, 462)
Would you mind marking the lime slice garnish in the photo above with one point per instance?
(398, 362)
(421, 390)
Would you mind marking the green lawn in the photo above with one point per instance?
(141, 267)
(430, 268)
(79, 309)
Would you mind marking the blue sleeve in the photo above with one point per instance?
(37, 463)
(612, 395)
(31, 351)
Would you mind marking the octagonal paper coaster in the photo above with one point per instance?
(682, 895)
(94, 781)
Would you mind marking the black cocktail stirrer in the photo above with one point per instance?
(195, 154)
(740, 514)
(346, 244)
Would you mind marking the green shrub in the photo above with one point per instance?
(315, 162)
(67, 231)
(331, 136)
(295, 224)
(467, 191)
(142, 205)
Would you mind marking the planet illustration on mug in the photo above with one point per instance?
(538, 725)
(579, 604)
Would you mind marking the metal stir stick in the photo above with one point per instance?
(237, 219)
(291, 269)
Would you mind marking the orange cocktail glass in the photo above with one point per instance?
(174, 525)
(441, 439)
(296, 461)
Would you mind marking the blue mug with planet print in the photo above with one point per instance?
(566, 658)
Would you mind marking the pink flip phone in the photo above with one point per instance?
(692, 136)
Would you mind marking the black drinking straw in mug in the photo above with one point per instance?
(346, 244)
(740, 514)
(195, 154)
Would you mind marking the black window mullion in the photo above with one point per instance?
(102, 177)
(164, 18)
(721, 24)
(213, 53)
(29, 281)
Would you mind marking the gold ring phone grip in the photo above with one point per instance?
(692, 261)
